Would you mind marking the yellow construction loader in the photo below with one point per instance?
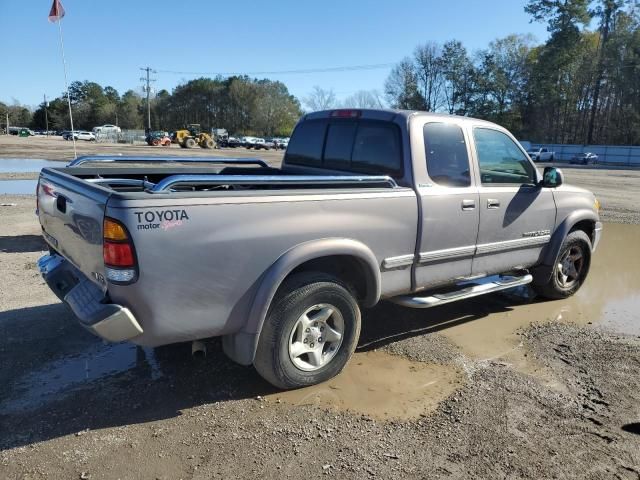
(191, 135)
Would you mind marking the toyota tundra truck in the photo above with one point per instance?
(415, 208)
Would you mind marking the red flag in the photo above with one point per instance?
(57, 11)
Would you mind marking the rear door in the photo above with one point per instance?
(71, 212)
(449, 200)
(516, 215)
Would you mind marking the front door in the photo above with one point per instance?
(449, 200)
(517, 216)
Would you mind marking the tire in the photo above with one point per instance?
(558, 287)
(308, 297)
(552, 158)
(207, 143)
(189, 143)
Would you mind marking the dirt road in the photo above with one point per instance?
(55, 148)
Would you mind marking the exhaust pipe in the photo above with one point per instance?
(198, 349)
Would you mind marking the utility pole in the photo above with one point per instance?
(7, 123)
(148, 81)
(46, 115)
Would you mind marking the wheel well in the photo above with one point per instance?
(587, 226)
(347, 268)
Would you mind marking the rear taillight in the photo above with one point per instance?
(118, 253)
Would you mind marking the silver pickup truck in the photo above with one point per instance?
(415, 208)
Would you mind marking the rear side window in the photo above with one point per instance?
(446, 152)
(305, 147)
(364, 146)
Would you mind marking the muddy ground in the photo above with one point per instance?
(504, 386)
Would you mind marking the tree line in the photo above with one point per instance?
(581, 86)
(240, 104)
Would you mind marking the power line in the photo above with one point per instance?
(349, 68)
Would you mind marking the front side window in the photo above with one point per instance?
(500, 160)
(446, 152)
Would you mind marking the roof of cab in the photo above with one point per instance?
(389, 113)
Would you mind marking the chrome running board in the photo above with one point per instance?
(464, 290)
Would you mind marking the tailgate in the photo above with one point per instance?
(71, 212)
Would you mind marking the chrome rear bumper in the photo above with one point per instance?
(109, 321)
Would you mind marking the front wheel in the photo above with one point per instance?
(571, 268)
(310, 332)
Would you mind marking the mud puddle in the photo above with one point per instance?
(61, 377)
(381, 386)
(18, 187)
(609, 299)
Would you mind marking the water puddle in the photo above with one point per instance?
(63, 376)
(18, 187)
(20, 165)
(610, 299)
(381, 386)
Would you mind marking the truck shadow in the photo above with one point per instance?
(59, 379)
(22, 244)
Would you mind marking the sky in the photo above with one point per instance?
(108, 41)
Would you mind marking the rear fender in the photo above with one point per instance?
(241, 346)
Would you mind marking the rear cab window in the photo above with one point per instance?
(351, 145)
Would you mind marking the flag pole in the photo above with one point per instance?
(66, 86)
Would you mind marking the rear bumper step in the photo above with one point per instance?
(465, 290)
(109, 321)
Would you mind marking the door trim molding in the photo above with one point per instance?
(518, 243)
(447, 253)
(397, 262)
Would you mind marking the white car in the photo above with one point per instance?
(542, 155)
(108, 128)
(88, 136)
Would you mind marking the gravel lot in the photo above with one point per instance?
(498, 387)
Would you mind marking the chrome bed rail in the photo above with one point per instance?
(150, 159)
(166, 184)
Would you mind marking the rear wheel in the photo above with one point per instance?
(310, 332)
(571, 268)
(189, 143)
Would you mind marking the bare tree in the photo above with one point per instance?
(320, 99)
(429, 69)
(401, 87)
(363, 99)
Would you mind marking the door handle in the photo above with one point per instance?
(468, 204)
(493, 203)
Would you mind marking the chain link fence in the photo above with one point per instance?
(125, 136)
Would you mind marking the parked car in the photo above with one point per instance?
(67, 134)
(542, 155)
(108, 128)
(585, 158)
(411, 207)
(88, 136)
(262, 144)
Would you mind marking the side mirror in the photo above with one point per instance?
(552, 177)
